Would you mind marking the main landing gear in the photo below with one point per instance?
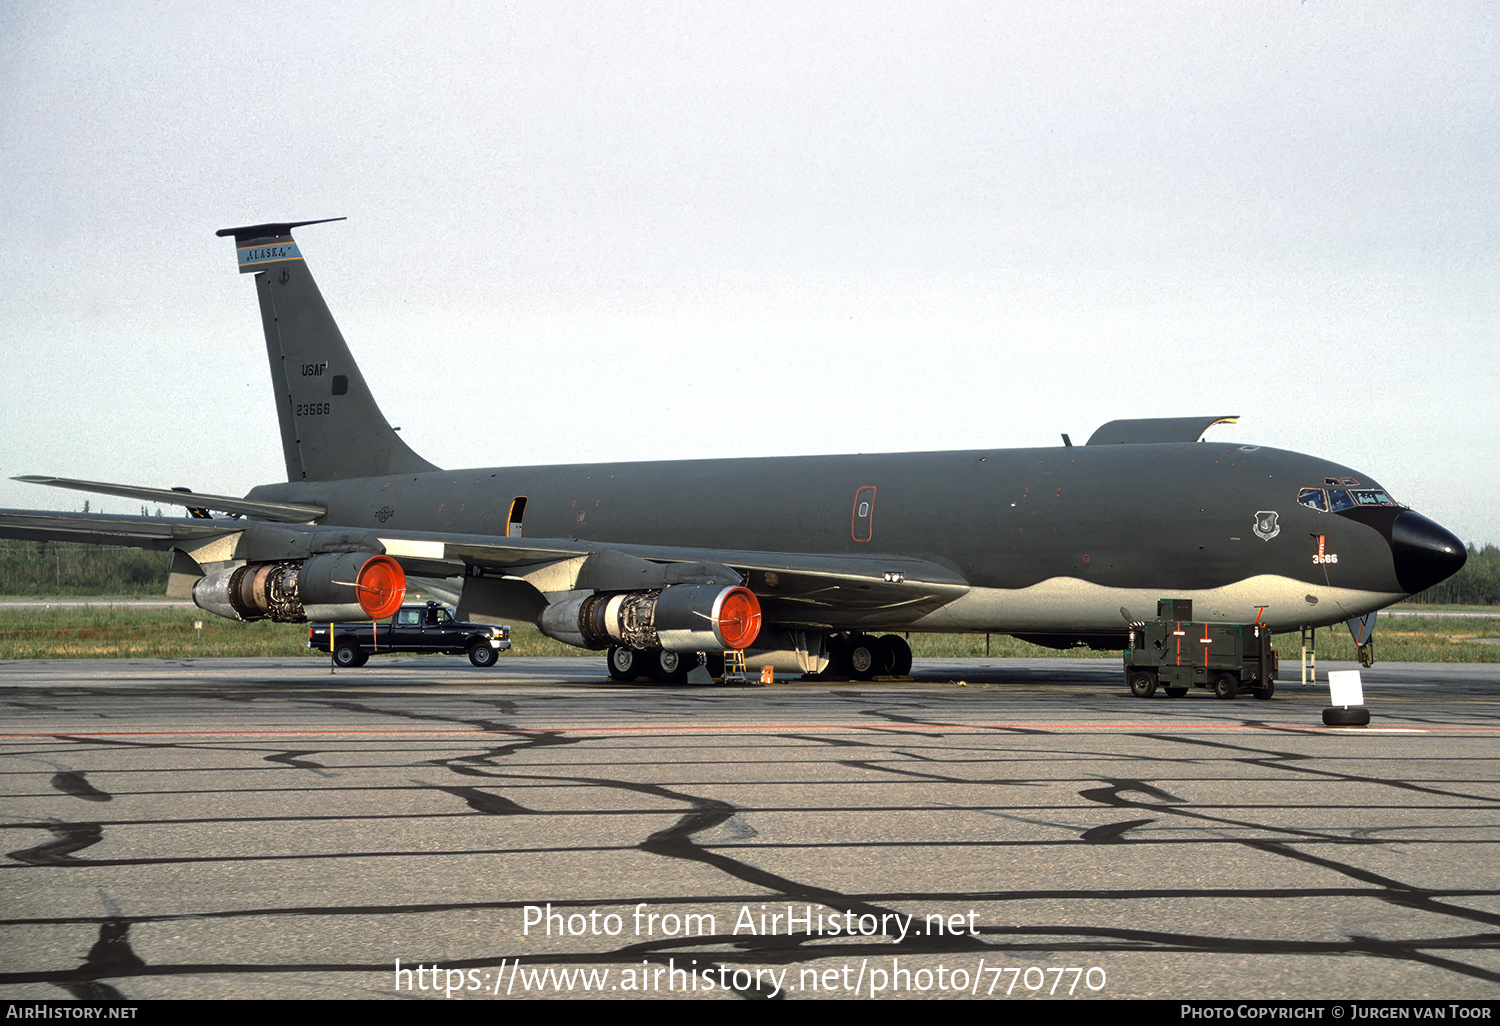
(865, 657)
(851, 657)
(629, 664)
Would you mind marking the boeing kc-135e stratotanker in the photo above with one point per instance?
(807, 563)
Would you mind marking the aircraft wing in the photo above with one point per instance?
(795, 589)
(110, 529)
(223, 539)
(831, 589)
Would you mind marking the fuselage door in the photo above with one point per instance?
(862, 525)
(517, 514)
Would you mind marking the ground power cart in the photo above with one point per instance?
(1175, 652)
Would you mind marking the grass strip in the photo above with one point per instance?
(126, 633)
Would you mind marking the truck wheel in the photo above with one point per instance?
(482, 655)
(624, 662)
(1176, 692)
(1266, 691)
(1143, 684)
(348, 654)
(1226, 685)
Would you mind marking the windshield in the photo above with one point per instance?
(1336, 500)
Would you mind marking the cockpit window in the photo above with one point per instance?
(1336, 500)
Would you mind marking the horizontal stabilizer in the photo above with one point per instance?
(269, 231)
(1156, 431)
(285, 512)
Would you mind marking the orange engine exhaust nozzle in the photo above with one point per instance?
(739, 617)
(381, 586)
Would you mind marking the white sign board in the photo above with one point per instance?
(1344, 688)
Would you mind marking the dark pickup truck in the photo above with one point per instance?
(429, 628)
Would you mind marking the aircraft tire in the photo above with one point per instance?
(838, 659)
(863, 657)
(896, 655)
(1143, 683)
(1226, 685)
(669, 667)
(625, 663)
(1346, 716)
(1176, 692)
(348, 655)
(481, 655)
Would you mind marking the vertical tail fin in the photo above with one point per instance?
(331, 427)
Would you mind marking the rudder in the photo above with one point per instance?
(331, 427)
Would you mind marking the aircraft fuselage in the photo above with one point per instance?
(1070, 540)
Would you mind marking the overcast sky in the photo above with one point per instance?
(611, 231)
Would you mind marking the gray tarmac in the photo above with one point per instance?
(270, 829)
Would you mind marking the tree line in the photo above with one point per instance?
(1477, 584)
(29, 568)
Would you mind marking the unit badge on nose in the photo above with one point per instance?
(1266, 526)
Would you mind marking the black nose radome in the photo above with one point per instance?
(1424, 552)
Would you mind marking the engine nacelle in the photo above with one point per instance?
(680, 618)
(324, 589)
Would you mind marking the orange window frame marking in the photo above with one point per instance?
(863, 524)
